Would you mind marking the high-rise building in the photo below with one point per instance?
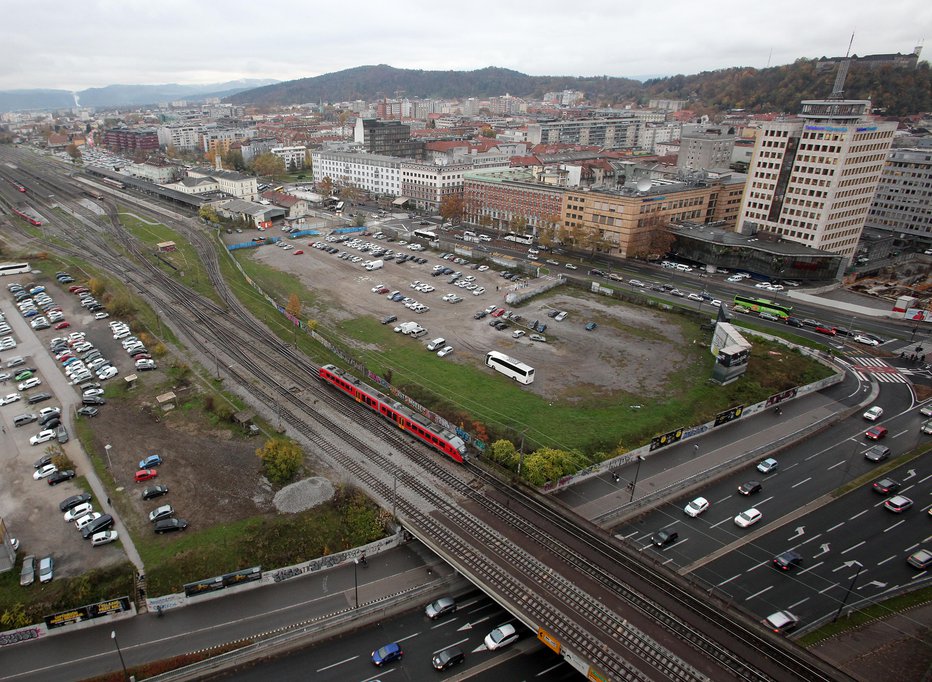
(903, 201)
(705, 146)
(388, 138)
(812, 178)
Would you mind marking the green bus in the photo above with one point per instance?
(759, 305)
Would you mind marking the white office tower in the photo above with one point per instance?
(812, 178)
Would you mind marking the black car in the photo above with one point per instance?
(42, 461)
(662, 538)
(154, 491)
(52, 422)
(102, 523)
(60, 477)
(788, 560)
(170, 525)
(38, 398)
(73, 501)
(479, 315)
(885, 486)
(749, 487)
(389, 319)
(93, 400)
(447, 658)
(794, 322)
(88, 411)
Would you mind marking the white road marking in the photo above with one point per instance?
(793, 606)
(837, 525)
(889, 558)
(757, 594)
(754, 568)
(828, 588)
(862, 542)
(334, 665)
(860, 513)
(837, 464)
(729, 580)
(805, 480)
(901, 521)
(809, 568)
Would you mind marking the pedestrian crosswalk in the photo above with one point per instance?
(867, 367)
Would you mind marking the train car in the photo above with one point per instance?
(113, 183)
(27, 218)
(404, 417)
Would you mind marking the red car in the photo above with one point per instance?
(826, 330)
(75, 288)
(146, 474)
(499, 312)
(63, 325)
(876, 432)
(299, 252)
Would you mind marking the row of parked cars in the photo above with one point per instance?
(163, 516)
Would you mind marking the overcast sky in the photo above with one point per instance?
(74, 45)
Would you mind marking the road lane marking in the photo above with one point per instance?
(897, 435)
(805, 480)
(923, 480)
(838, 464)
(793, 606)
(550, 669)
(809, 568)
(754, 568)
(889, 558)
(817, 535)
(716, 525)
(919, 575)
(727, 497)
(757, 594)
(764, 500)
(860, 513)
(837, 525)
(737, 575)
(828, 588)
(901, 521)
(862, 542)
(334, 665)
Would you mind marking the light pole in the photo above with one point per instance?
(107, 450)
(844, 601)
(122, 662)
(395, 495)
(356, 582)
(635, 481)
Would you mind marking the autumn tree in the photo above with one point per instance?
(517, 224)
(342, 117)
(350, 194)
(548, 464)
(281, 460)
(234, 159)
(451, 208)
(294, 306)
(73, 151)
(504, 452)
(326, 186)
(268, 164)
(488, 132)
(209, 213)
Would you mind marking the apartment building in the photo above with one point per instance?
(131, 140)
(293, 156)
(497, 197)
(812, 179)
(183, 137)
(389, 138)
(218, 140)
(375, 173)
(616, 132)
(427, 183)
(903, 200)
(705, 146)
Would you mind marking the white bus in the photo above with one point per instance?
(426, 234)
(510, 367)
(14, 268)
(525, 239)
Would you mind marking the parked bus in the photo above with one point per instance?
(14, 268)
(426, 234)
(758, 305)
(510, 367)
(525, 239)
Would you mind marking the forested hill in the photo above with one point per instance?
(780, 88)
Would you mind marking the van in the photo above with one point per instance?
(418, 333)
(16, 361)
(375, 265)
(436, 344)
(683, 268)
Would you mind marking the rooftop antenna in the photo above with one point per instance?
(838, 90)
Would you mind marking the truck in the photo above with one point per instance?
(375, 265)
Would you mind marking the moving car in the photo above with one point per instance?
(387, 654)
(662, 538)
(749, 487)
(781, 621)
(787, 561)
(696, 507)
(898, 504)
(748, 518)
(768, 466)
(501, 637)
(876, 432)
(874, 413)
(866, 340)
(921, 559)
(440, 607)
(446, 659)
(876, 453)
(885, 486)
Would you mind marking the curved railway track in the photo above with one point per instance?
(654, 598)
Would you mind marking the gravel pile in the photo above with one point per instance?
(303, 495)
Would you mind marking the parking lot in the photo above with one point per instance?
(641, 346)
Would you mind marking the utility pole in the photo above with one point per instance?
(844, 601)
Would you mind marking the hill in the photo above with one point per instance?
(780, 88)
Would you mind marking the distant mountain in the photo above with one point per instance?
(122, 95)
(897, 91)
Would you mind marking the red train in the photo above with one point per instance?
(26, 217)
(405, 418)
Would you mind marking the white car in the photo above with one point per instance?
(103, 316)
(78, 512)
(559, 317)
(49, 410)
(866, 340)
(10, 398)
(82, 521)
(570, 266)
(45, 471)
(445, 351)
(7, 342)
(696, 507)
(748, 518)
(42, 437)
(107, 372)
(874, 413)
(122, 334)
(501, 637)
(104, 537)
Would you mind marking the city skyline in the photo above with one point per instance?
(96, 44)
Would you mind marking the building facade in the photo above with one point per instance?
(182, 137)
(388, 138)
(606, 133)
(705, 146)
(293, 156)
(903, 200)
(812, 179)
(373, 173)
(499, 197)
(131, 140)
(427, 184)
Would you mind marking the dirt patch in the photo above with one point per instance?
(303, 495)
(639, 345)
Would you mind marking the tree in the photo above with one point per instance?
(360, 220)
(326, 186)
(294, 306)
(73, 151)
(547, 234)
(488, 132)
(451, 208)
(268, 164)
(234, 159)
(504, 452)
(281, 460)
(548, 464)
(209, 213)
(350, 195)
(342, 117)
(517, 224)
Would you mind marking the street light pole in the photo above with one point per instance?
(635, 481)
(356, 582)
(844, 601)
(120, 653)
(107, 450)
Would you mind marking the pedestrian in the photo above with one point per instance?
(696, 448)
(3, 428)
(108, 501)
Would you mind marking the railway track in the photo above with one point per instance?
(736, 648)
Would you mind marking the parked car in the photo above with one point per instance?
(145, 475)
(77, 511)
(150, 462)
(103, 522)
(42, 437)
(73, 501)
(170, 525)
(104, 537)
(27, 574)
(162, 512)
(154, 491)
(60, 477)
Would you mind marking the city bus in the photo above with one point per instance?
(14, 268)
(510, 367)
(759, 305)
(426, 234)
(525, 239)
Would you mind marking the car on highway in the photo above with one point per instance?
(926, 427)
(921, 559)
(897, 504)
(447, 658)
(150, 462)
(885, 486)
(665, 537)
(501, 637)
(873, 414)
(387, 654)
(767, 466)
(27, 574)
(170, 525)
(876, 432)
(750, 487)
(696, 507)
(145, 475)
(876, 453)
(440, 607)
(788, 560)
(748, 518)
(781, 622)
(154, 491)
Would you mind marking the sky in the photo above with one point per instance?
(93, 43)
